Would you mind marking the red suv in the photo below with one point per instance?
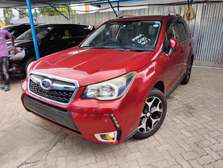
(114, 85)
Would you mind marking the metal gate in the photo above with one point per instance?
(208, 37)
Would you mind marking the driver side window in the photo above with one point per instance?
(169, 34)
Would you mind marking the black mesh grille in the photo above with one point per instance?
(55, 95)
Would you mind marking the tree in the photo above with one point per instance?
(22, 13)
(49, 11)
(8, 15)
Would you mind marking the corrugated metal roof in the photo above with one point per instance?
(16, 3)
(38, 3)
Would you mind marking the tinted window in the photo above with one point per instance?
(169, 34)
(66, 34)
(180, 31)
(61, 34)
(41, 33)
(80, 30)
(17, 30)
(187, 29)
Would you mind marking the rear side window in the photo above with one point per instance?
(187, 29)
(180, 31)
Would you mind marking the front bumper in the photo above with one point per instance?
(90, 117)
(88, 125)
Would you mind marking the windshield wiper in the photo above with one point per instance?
(132, 49)
(116, 48)
(96, 47)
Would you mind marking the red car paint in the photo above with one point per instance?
(90, 66)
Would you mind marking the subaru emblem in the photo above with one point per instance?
(46, 84)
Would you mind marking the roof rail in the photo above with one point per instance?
(171, 14)
(174, 14)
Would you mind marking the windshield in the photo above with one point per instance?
(41, 33)
(131, 35)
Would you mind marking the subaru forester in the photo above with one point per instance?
(114, 85)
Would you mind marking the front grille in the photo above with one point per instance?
(59, 91)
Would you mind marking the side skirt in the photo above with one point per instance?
(175, 86)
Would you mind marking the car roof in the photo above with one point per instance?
(60, 25)
(17, 26)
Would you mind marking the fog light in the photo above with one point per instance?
(107, 137)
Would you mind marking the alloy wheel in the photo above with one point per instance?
(152, 114)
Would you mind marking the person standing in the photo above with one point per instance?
(4, 58)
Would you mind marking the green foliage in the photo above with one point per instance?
(8, 15)
(49, 11)
(22, 13)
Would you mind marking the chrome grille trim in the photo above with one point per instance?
(60, 84)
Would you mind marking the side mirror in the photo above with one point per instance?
(173, 43)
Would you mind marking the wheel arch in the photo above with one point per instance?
(160, 86)
(192, 57)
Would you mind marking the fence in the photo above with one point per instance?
(206, 28)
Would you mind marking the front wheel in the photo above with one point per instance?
(153, 115)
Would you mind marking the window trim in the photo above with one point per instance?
(185, 31)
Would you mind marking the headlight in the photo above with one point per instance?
(109, 90)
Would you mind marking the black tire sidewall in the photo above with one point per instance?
(186, 78)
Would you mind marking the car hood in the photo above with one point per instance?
(89, 66)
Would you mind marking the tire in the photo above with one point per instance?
(150, 122)
(186, 78)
